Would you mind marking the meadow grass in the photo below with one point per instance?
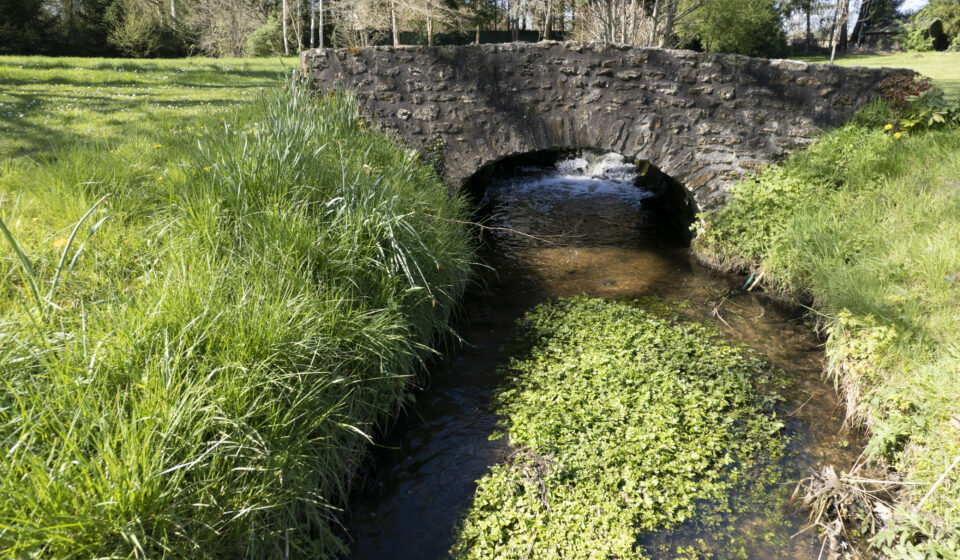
(241, 293)
(942, 67)
(866, 228)
(48, 102)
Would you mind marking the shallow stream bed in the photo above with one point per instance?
(588, 226)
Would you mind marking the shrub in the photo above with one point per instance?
(931, 108)
(266, 40)
(139, 33)
(897, 89)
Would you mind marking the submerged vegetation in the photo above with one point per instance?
(865, 226)
(200, 324)
(625, 422)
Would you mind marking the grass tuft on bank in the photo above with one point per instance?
(638, 423)
(865, 226)
(194, 372)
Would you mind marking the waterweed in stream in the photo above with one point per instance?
(634, 430)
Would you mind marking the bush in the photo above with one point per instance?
(898, 89)
(267, 39)
(752, 27)
(138, 33)
(915, 36)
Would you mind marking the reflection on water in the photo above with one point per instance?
(586, 229)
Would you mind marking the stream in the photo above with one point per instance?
(589, 225)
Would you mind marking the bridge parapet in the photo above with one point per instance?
(703, 119)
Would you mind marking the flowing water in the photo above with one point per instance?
(588, 226)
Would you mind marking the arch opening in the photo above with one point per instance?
(670, 204)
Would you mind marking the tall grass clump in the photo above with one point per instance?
(257, 291)
(865, 226)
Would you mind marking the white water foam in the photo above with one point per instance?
(591, 175)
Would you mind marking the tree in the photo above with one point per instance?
(286, 43)
(750, 27)
(873, 14)
(840, 29)
(947, 11)
(25, 27)
(224, 27)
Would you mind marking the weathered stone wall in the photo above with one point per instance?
(703, 119)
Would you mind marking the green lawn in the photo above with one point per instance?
(942, 67)
(46, 102)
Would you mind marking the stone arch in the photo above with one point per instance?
(703, 119)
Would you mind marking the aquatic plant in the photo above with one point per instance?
(626, 424)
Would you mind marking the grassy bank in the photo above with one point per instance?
(865, 226)
(636, 425)
(191, 371)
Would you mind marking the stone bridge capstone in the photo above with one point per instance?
(703, 119)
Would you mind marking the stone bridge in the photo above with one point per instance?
(702, 119)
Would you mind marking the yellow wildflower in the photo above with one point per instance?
(888, 127)
(59, 243)
(897, 134)
(206, 169)
(155, 146)
(36, 219)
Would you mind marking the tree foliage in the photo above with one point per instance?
(150, 28)
(24, 26)
(751, 27)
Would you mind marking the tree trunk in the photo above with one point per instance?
(563, 16)
(840, 30)
(844, 16)
(548, 21)
(286, 43)
(173, 12)
(809, 36)
(429, 23)
(476, 39)
(298, 26)
(313, 22)
(668, 23)
(320, 24)
(393, 23)
(863, 16)
(623, 22)
(652, 37)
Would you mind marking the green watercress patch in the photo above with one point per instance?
(626, 424)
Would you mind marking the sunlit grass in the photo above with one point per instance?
(942, 67)
(867, 227)
(259, 287)
(49, 102)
